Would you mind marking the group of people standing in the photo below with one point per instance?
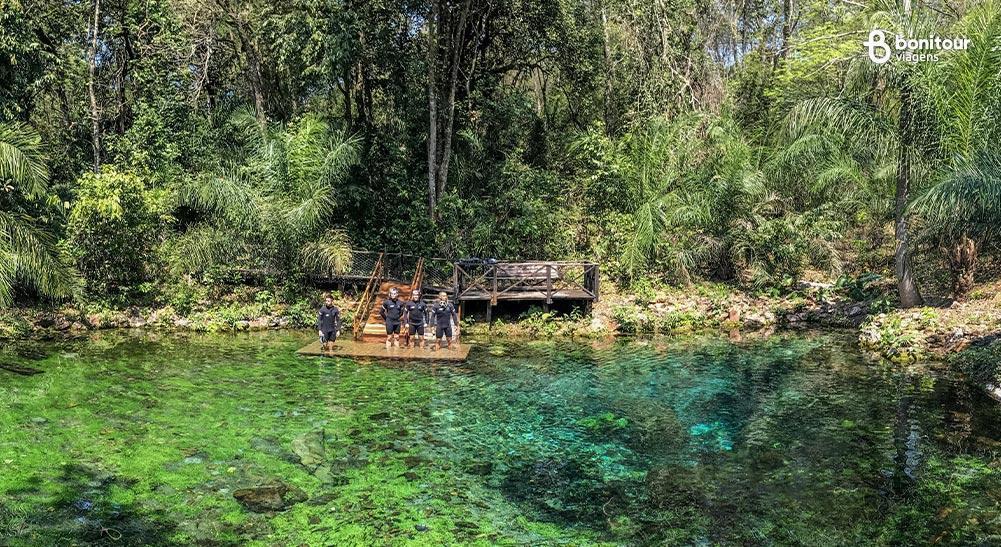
(414, 314)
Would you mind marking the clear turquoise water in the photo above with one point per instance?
(792, 439)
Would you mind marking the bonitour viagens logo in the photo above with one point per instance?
(910, 49)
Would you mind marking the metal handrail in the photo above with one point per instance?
(367, 299)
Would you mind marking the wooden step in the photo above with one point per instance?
(375, 327)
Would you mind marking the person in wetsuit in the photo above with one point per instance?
(328, 323)
(415, 317)
(392, 313)
(444, 315)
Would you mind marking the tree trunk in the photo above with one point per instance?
(346, 92)
(124, 114)
(256, 83)
(254, 77)
(95, 112)
(907, 289)
(787, 8)
(609, 73)
(962, 257)
(446, 147)
(432, 111)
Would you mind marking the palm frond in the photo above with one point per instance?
(327, 255)
(969, 196)
(22, 160)
(204, 246)
(229, 194)
(30, 257)
(851, 119)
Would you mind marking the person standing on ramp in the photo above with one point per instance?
(392, 314)
(444, 316)
(416, 317)
(328, 323)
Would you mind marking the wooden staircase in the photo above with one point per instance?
(375, 327)
(368, 325)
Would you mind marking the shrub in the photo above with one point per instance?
(113, 226)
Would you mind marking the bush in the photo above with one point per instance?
(113, 227)
(981, 363)
(779, 254)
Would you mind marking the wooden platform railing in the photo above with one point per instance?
(418, 279)
(503, 279)
(367, 299)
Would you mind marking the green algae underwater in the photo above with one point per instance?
(131, 439)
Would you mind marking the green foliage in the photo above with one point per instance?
(861, 287)
(982, 362)
(603, 424)
(749, 149)
(29, 257)
(273, 207)
(114, 226)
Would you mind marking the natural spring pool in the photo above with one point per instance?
(141, 439)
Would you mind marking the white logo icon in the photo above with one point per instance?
(879, 50)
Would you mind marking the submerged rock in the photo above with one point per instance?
(482, 468)
(276, 496)
(309, 447)
(195, 459)
(330, 476)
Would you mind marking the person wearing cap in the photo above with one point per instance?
(415, 316)
(392, 314)
(328, 323)
(444, 315)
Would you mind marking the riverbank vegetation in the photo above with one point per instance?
(154, 152)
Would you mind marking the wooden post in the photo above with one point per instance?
(549, 285)
(490, 308)
(493, 293)
(597, 281)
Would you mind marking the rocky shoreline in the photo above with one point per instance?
(900, 336)
(48, 324)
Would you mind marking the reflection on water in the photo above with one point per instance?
(789, 439)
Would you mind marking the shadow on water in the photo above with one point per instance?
(79, 513)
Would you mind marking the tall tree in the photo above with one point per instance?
(95, 110)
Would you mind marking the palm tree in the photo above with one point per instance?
(700, 203)
(879, 108)
(28, 253)
(271, 205)
(964, 92)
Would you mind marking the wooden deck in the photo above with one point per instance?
(373, 350)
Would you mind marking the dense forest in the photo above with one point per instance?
(147, 142)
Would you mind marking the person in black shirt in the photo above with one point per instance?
(415, 315)
(328, 323)
(392, 313)
(444, 315)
